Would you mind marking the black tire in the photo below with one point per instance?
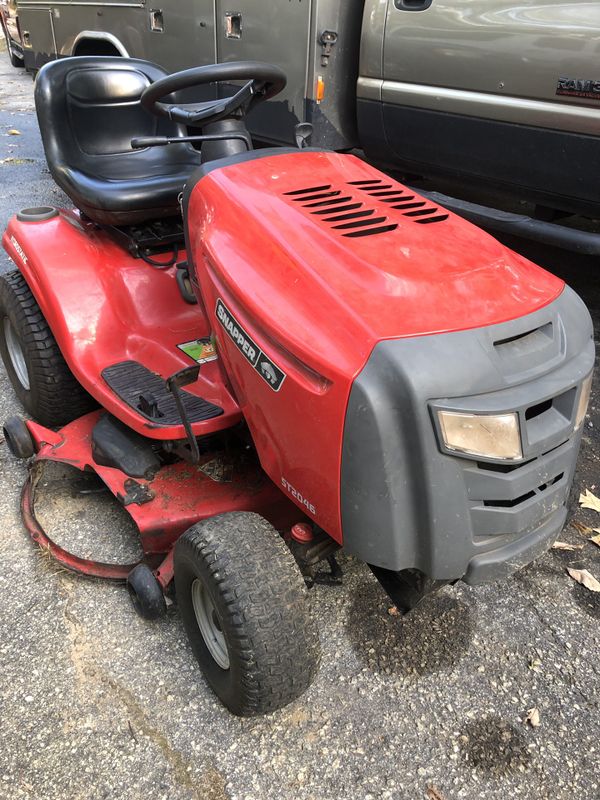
(15, 59)
(18, 438)
(146, 593)
(260, 607)
(53, 396)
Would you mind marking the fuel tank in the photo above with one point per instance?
(307, 262)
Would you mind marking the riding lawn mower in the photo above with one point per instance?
(270, 354)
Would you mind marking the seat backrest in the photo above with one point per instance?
(90, 106)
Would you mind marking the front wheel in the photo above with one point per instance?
(245, 609)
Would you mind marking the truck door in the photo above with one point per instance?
(493, 89)
(279, 35)
(492, 50)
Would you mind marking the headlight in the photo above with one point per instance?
(584, 399)
(487, 435)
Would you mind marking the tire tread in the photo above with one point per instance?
(273, 636)
(55, 397)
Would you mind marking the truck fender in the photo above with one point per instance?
(88, 37)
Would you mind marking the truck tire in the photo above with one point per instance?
(244, 606)
(15, 59)
(38, 373)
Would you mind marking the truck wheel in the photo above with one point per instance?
(38, 373)
(146, 593)
(245, 609)
(15, 59)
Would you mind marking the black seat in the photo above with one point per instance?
(88, 111)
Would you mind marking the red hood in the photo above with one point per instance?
(306, 281)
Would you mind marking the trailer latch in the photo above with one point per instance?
(327, 41)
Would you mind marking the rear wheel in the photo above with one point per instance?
(245, 609)
(38, 373)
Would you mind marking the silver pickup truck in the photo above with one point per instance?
(487, 93)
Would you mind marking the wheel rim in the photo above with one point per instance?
(16, 355)
(209, 624)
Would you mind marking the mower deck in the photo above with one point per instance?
(162, 508)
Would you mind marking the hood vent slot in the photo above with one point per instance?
(310, 190)
(371, 231)
(386, 193)
(317, 196)
(354, 218)
(343, 213)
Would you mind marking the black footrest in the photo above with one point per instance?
(130, 379)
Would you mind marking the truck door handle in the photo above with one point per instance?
(412, 5)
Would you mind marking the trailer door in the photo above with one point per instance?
(37, 30)
(182, 33)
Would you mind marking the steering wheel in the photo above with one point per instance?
(263, 81)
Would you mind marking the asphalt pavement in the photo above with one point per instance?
(97, 703)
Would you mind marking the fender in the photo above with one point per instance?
(102, 36)
(104, 306)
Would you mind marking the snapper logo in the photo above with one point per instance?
(272, 375)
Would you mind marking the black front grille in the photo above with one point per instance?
(507, 500)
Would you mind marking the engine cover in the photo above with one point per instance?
(306, 261)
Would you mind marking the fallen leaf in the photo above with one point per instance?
(585, 578)
(595, 539)
(567, 546)
(589, 500)
(433, 793)
(534, 664)
(584, 530)
(16, 161)
(14, 132)
(393, 611)
(533, 718)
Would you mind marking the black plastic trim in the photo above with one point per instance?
(428, 509)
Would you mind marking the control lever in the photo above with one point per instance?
(141, 142)
(185, 377)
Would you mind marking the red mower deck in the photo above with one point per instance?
(162, 508)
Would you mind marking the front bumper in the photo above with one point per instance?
(409, 503)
